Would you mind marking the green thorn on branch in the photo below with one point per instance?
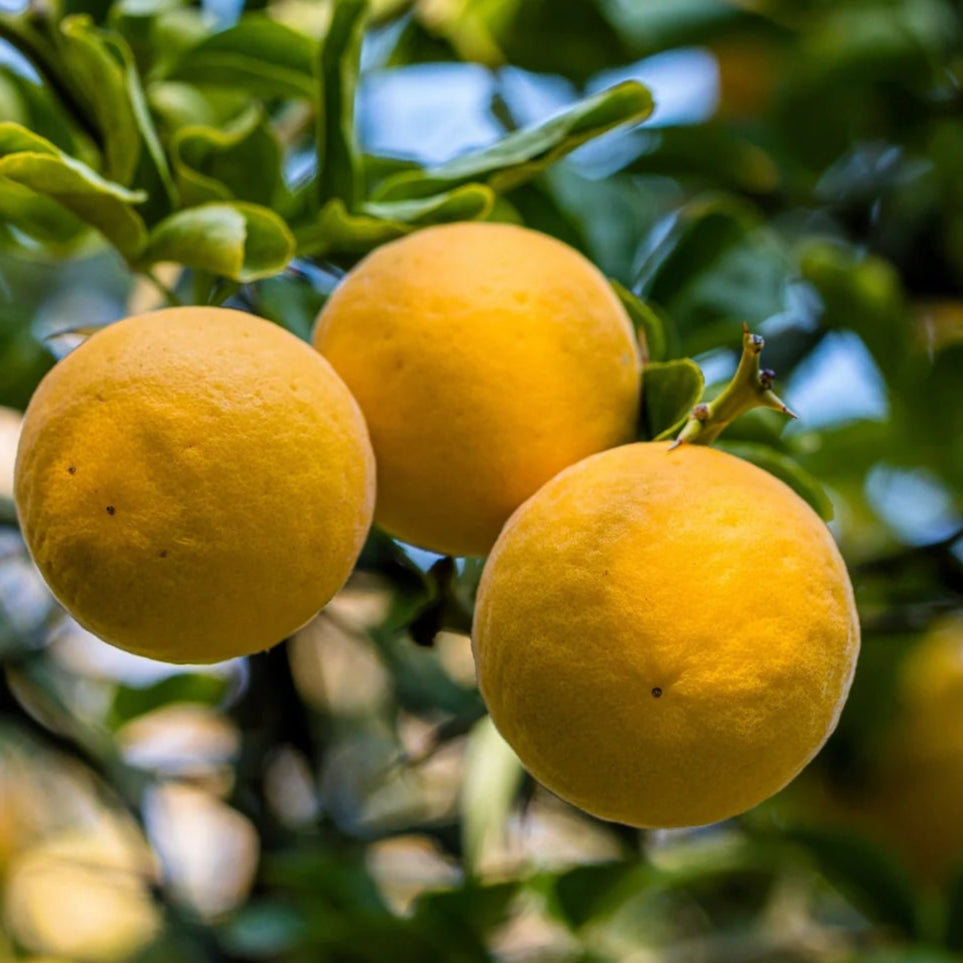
(750, 387)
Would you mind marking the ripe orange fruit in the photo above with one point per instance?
(486, 358)
(665, 637)
(194, 484)
(912, 800)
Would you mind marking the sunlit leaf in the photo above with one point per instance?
(235, 240)
(335, 229)
(35, 163)
(521, 155)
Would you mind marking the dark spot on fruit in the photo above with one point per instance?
(71, 470)
(163, 554)
(657, 693)
(111, 509)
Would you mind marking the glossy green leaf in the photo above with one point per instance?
(241, 162)
(339, 164)
(647, 323)
(258, 54)
(871, 877)
(521, 155)
(102, 68)
(130, 701)
(467, 203)
(99, 78)
(335, 229)
(235, 240)
(670, 389)
(786, 469)
(490, 784)
(37, 216)
(35, 163)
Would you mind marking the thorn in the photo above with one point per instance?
(675, 444)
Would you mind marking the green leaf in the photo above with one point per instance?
(670, 389)
(489, 786)
(36, 108)
(102, 68)
(241, 162)
(28, 159)
(786, 469)
(130, 702)
(647, 323)
(717, 267)
(27, 34)
(584, 893)
(258, 54)
(40, 217)
(467, 203)
(869, 876)
(98, 78)
(461, 919)
(524, 153)
(235, 240)
(335, 229)
(180, 105)
(339, 164)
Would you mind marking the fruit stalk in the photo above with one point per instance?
(750, 387)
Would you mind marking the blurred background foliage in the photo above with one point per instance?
(343, 797)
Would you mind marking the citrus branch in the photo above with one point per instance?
(750, 387)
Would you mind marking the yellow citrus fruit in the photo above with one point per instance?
(194, 484)
(486, 358)
(665, 637)
(914, 799)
